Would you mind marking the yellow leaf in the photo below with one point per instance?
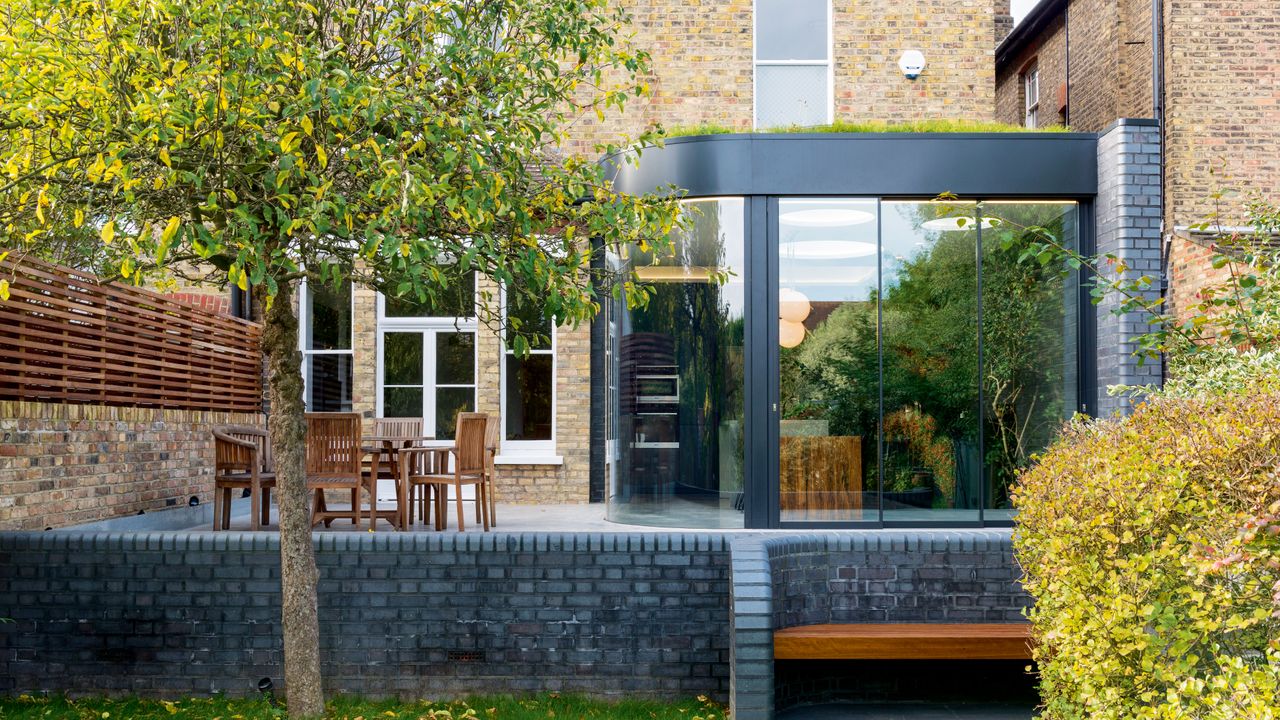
(164, 158)
(286, 142)
(322, 156)
(79, 218)
(4, 289)
(40, 213)
(109, 232)
(307, 127)
(404, 249)
(223, 103)
(170, 230)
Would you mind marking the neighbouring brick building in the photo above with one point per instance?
(1217, 94)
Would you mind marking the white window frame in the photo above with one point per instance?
(426, 326)
(525, 452)
(304, 330)
(1031, 95)
(829, 63)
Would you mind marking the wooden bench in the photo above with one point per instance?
(929, 641)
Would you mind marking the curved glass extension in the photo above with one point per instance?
(676, 447)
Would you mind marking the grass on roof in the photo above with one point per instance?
(919, 126)
(539, 707)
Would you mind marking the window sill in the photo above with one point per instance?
(530, 459)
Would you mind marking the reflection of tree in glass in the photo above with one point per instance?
(930, 354)
(707, 341)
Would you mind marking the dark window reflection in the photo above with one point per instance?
(454, 297)
(329, 383)
(450, 402)
(329, 314)
(455, 358)
(529, 397)
(680, 379)
(402, 358)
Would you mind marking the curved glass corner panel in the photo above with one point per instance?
(676, 445)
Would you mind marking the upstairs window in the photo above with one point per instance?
(793, 63)
(325, 323)
(1031, 93)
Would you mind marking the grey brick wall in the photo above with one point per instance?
(409, 615)
(1128, 210)
(859, 577)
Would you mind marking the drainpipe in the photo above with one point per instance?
(1157, 112)
(1066, 39)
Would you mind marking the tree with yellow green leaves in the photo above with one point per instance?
(261, 142)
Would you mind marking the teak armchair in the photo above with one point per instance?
(334, 462)
(427, 468)
(242, 460)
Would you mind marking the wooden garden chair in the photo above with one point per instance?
(335, 461)
(242, 461)
(426, 470)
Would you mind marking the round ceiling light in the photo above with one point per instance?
(790, 334)
(956, 223)
(793, 305)
(826, 217)
(827, 249)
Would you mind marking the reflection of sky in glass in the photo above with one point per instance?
(826, 227)
(903, 237)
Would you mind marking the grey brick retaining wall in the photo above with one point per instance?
(406, 615)
(423, 615)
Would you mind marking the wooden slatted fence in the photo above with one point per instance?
(67, 337)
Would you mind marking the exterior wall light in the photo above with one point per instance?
(912, 64)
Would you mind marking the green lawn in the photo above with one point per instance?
(541, 707)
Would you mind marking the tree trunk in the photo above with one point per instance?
(298, 577)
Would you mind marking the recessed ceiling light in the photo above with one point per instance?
(956, 223)
(826, 217)
(827, 249)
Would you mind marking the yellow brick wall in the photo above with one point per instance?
(702, 63)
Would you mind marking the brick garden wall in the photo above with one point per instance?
(63, 465)
(406, 615)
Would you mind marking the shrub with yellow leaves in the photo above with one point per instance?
(1151, 545)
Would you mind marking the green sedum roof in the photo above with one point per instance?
(920, 126)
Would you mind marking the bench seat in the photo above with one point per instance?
(925, 641)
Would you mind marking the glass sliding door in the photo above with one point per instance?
(931, 423)
(828, 360)
(1030, 340)
(679, 377)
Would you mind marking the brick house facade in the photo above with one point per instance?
(1219, 99)
(702, 73)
